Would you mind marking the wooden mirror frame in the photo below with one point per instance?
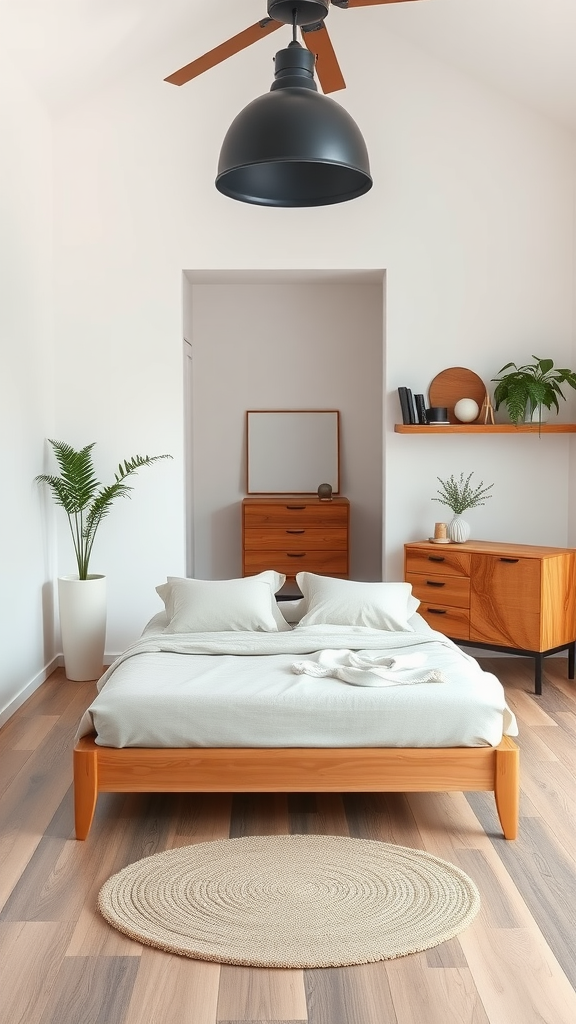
(292, 451)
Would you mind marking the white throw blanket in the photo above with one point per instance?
(369, 668)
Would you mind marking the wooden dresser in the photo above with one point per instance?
(516, 597)
(292, 534)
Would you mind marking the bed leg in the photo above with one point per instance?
(85, 790)
(507, 787)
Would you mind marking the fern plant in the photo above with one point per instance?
(460, 495)
(528, 388)
(85, 500)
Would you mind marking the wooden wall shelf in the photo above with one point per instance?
(486, 428)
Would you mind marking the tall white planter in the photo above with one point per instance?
(83, 625)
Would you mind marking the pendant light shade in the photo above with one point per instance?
(293, 146)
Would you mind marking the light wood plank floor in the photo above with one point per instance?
(62, 964)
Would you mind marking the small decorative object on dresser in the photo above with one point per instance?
(459, 495)
(440, 534)
(325, 492)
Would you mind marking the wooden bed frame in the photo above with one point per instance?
(100, 769)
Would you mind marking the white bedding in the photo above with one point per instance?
(241, 690)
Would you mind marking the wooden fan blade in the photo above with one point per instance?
(327, 67)
(224, 50)
(365, 3)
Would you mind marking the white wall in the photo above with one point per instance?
(485, 274)
(26, 389)
(306, 345)
(470, 215)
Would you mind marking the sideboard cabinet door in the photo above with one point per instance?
(505, 600)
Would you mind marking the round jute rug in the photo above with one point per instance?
(290, 901)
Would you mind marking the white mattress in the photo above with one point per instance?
(161, 698)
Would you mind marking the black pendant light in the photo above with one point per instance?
(293, 146)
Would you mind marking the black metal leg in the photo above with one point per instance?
(571, 659)
(538, 663)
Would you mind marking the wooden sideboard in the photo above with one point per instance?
(518, 598)
(295, 533)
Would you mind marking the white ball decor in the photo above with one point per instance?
(466, 410)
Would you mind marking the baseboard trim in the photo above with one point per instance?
(29, 689)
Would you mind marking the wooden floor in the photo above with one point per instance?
(62, 964)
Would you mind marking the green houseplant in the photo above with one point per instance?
(84, 499)
(82, 596)
(527, 390)
(459, 495)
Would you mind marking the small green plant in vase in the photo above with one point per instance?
(528, 390)
(459, 495)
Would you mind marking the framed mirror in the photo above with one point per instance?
(292, 451)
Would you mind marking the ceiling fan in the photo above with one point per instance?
(308, 15)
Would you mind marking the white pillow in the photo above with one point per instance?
(330, 601)
(198, 606)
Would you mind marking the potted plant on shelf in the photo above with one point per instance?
(528, 390)
(459, 495)
(82, 596)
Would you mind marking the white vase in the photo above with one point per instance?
(82, 605)
(458, 530)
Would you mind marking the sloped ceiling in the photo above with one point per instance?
(70, 48)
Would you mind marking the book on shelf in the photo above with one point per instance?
(411, 406)
(406, 405)
(420, 409)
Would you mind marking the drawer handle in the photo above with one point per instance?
(297, 508)
(296, 554)
(509, 559)
(435, 583)
(436, 611)
(435, 558)
(295, 531)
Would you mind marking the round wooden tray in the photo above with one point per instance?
(449, 386)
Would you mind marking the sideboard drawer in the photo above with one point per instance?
(449, 590)
(453, 622)
(446, 561)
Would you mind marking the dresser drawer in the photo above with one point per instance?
(296, 539)
(450, 590)
(453, 622)
(448, 561)
(295, 514)
(325, 563)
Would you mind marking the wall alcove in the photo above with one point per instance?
(281, 339)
